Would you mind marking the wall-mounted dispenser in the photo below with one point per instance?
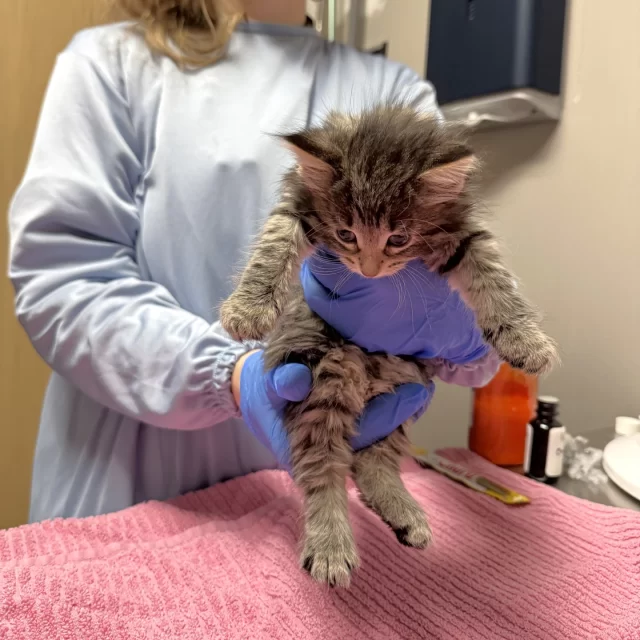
(497, 62)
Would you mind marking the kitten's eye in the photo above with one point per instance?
(398, 240)
(346, 236)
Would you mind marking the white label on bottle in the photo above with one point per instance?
(555, 452)
(527, 449)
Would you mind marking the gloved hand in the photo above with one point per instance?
(264, 396)
(413, 313)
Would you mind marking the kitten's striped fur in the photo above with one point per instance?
(386, 172)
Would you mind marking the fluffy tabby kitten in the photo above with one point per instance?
(376, 190)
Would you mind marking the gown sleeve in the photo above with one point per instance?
(411, 90)
(79, 293)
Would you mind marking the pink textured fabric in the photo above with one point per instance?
(222, 564)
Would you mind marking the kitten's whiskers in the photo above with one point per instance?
(398, 286)
(416, 282)
(419, 276)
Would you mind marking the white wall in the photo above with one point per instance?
(567, 202)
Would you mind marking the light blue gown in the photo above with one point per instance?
(144, 189)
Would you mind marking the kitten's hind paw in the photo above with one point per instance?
(409, 523)
(330, 560)
(530, 351)
(418, 534)
(243, 319)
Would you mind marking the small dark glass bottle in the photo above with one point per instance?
(544, 447)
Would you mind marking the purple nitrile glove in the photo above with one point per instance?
(264, 396)
(413, 313)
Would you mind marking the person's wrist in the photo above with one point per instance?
(236, 376)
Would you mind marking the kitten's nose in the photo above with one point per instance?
(370, 267)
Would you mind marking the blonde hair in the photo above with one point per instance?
(193, 33)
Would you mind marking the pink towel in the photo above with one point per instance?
(222, 563)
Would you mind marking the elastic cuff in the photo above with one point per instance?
(473, 374)
(222, 371)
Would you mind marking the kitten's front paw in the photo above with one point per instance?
(530, 351)
(244, 319)
(330, 559)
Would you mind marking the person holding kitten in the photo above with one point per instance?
(150, 174)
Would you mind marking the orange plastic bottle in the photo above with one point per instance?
(501, 411)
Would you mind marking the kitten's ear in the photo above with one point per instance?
(446, 182)
(316, 173)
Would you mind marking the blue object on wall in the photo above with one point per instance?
(482, 47)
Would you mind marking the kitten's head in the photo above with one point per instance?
(384, 188)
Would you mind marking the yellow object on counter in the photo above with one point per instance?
(466, 477)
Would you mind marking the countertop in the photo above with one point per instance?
(607, 493)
